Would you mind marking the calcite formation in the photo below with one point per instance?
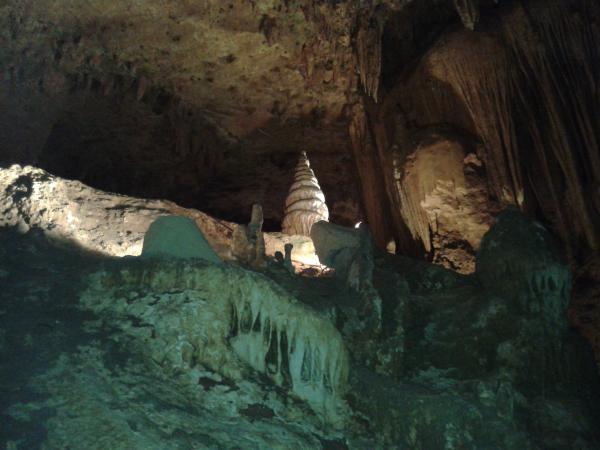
(98, 221)
(443, 198)
(140, 354)
(111, 224)
(468, 10)
(305, 203)
(248, 242)
(220, 316)
(349, 251)
(520, 255)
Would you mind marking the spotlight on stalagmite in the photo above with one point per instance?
(305, 203)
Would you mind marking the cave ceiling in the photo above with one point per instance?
(208, 103)
(224, 94)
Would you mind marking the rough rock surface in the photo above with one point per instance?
(208, 104)
(136, 353)
(444, 199)
(248, 242)
(347, 250)
(98, 221)
(224, 95)
(108, 223)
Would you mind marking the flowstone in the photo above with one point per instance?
(185, 313)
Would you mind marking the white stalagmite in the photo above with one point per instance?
(305, 203)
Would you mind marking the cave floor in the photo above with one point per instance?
(69, 381)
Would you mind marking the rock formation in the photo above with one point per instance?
(97, 221)
(111, 224)
(248, 242)
(177, 237)
(312, 362)
(444, 199)
(145, 353)
(468, 10)
(347, 250)
(424, 119)
(305, 203)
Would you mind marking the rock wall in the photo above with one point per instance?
(538, 147)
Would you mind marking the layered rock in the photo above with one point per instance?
(305, 203)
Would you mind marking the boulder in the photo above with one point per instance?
(520, 259)
(177, 237)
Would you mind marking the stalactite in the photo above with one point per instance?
(368, 53)
(480, 74)
(142, 86)
(530, 88)
(468, 10)
(305, 203)
(563, 73)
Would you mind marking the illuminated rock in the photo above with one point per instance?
(305, 203)
(103, 222)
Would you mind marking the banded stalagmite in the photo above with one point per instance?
(305, 203)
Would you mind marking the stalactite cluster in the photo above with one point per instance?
(368, 166)
(559, 98)
(526, 89)
(368, 53)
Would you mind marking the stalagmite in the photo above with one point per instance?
(287, 261)
(248, 243)
(305, 203)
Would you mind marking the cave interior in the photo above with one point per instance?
(300, 224)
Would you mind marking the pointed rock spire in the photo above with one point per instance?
(305, 203)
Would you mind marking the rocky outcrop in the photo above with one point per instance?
(111, 224)
(535, 143)
(203, 314)
(144, 354)
(443, 198)
(349, 251)
(248, 242)
(97, 221)
(305, 203)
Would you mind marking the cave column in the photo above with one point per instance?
(373, 190)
